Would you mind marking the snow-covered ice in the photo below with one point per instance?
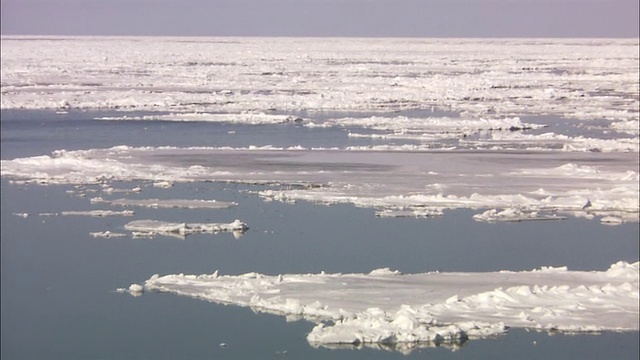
(386, 306)
(247, 78)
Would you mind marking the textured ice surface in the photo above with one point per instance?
(385, 306)
(573, 78)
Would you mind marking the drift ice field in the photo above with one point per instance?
(513, 130)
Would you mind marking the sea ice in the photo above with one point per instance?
(170, 203)
(513, 214)
(99, 213)
(243, 118)
(423, 183)
(486, 152)
(106, 234)
(567, 78)
(153, 227)
(428, 307)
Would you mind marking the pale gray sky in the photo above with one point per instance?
(396, 18)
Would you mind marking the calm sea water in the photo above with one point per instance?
(58, 282)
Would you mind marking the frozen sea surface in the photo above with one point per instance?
(435, 156)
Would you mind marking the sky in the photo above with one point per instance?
(359, 18)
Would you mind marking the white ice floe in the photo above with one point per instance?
(514, 215)
(134, 290)
(627, 126)
(110, 190)
(98, 213)
(169, 203)
(48, 214)
(155, 227)
(551, 141)
(243, 118)
(163, 184)
(404, 124)
(392, 182)
(612, 220)
(106, 234)
(432, 130)
(428, 307)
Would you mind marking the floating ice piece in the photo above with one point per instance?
(110, 190)
(514, 215)
(136, 288)
(106, 234)
(48, 214)
(133, 290)
(154, 227)
(242, 118)
(99, 213)
(418, 212)
(611, 220)
(172, 203)
(163, 184)
(631, 127)
(551, 141)
(436, 127)
(428, 307)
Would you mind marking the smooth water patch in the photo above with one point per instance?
(31, 133)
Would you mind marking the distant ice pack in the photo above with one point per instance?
(247, 78)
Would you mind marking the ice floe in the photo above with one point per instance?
(155, 227)
(551, 141)
(98, 213)
(106, 234)
(513, 214)
(428, 307)
(168, 203)
(243, 118)
(406, 124)
(627, 126)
